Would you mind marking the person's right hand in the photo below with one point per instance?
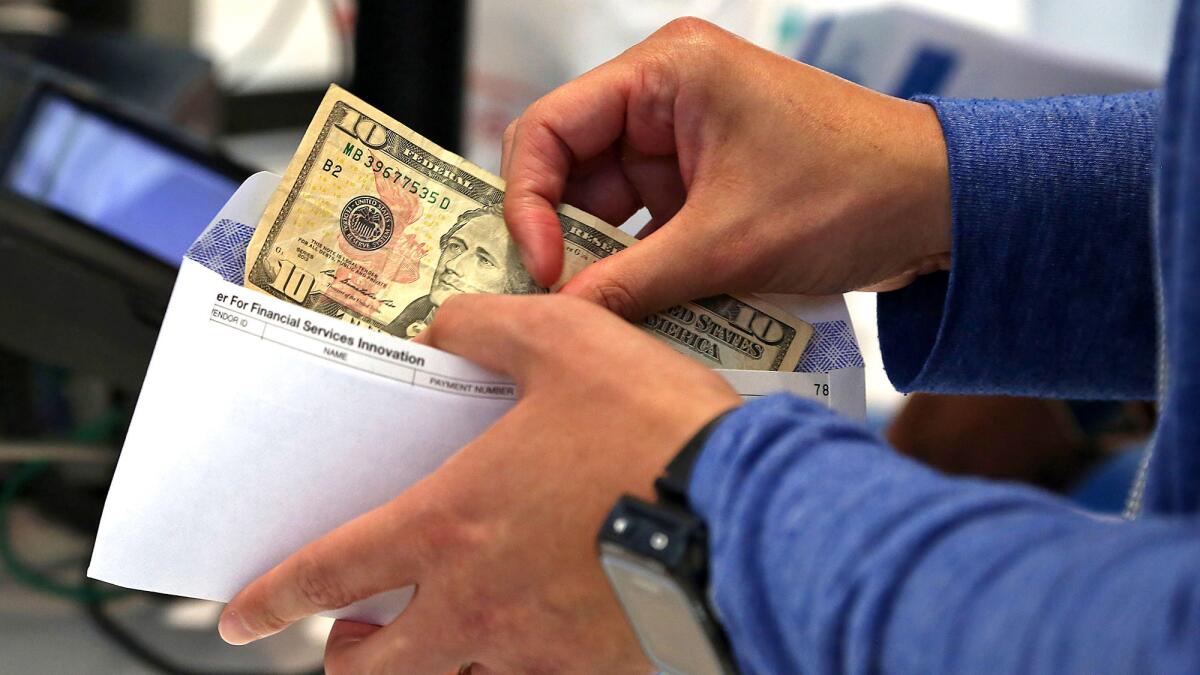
(761, 174)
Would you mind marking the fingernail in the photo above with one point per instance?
(233, 629)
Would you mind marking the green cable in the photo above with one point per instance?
(21, 572)
(11, 488)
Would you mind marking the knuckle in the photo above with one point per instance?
(689, 43)
(688, 29)
(480, 622)
(266, 621)
(534, 110)
(550, 153)
(654, 80)
(616, 295)
(318, 584)
(510, 132)
(445, 535)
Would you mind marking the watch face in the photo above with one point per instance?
(663, 615)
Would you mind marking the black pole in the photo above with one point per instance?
(110, 15)
(408, 61)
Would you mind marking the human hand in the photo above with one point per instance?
(500, 540)
(761, 174)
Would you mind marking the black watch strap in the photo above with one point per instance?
(672, 486)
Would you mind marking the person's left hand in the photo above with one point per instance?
(501, 539)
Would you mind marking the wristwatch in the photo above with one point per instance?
(656, 558)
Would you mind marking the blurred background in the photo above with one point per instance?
(125, 124)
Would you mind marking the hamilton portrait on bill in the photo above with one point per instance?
(477, 256)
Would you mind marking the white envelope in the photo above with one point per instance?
(262, 425)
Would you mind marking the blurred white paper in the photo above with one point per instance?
(262, 425)
(904, 51)
(252, 437)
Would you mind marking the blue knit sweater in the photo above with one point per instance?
(831, 554)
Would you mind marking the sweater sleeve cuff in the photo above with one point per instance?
(1050, 254)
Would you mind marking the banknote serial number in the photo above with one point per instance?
(388, 172)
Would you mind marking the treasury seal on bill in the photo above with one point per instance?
(367, 223)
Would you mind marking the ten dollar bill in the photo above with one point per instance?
(376, 225)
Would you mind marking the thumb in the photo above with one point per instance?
(664, 269)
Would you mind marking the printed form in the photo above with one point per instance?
(262, 425)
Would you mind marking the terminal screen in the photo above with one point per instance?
(116, 180)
